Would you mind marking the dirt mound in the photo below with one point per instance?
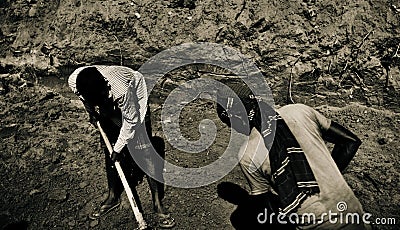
(335, 51)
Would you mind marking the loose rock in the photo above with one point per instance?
(59, 195)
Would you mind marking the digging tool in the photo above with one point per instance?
(135, 208)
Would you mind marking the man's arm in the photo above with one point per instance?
(133, 109)
(130, 119)
(346, 144)
(90, 109)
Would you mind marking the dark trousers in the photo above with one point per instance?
(132, 171)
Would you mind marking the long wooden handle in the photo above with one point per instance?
(136, 211)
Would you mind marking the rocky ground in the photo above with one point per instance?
(343, 58)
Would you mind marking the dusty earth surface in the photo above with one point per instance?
(343, 58)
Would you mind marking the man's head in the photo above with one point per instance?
(92, 86)
(236, 107)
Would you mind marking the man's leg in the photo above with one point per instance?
(151, 160)
(155, 165)
(146, 158)
(115, 187)
(157, 191)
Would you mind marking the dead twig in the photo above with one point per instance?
(345, 67)
(396, 55)
(289, 98)
(362, 85)
(387, 77)
(218, 33)
(341, 74)
(241, 10)
(305, 83)
(354, 57)
(357, 49)
(329, 66)
(120, 51)
(386, 62)
(365, 38)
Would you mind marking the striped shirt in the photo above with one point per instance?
(128, 90)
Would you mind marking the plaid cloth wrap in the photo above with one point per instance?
(291, 173)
